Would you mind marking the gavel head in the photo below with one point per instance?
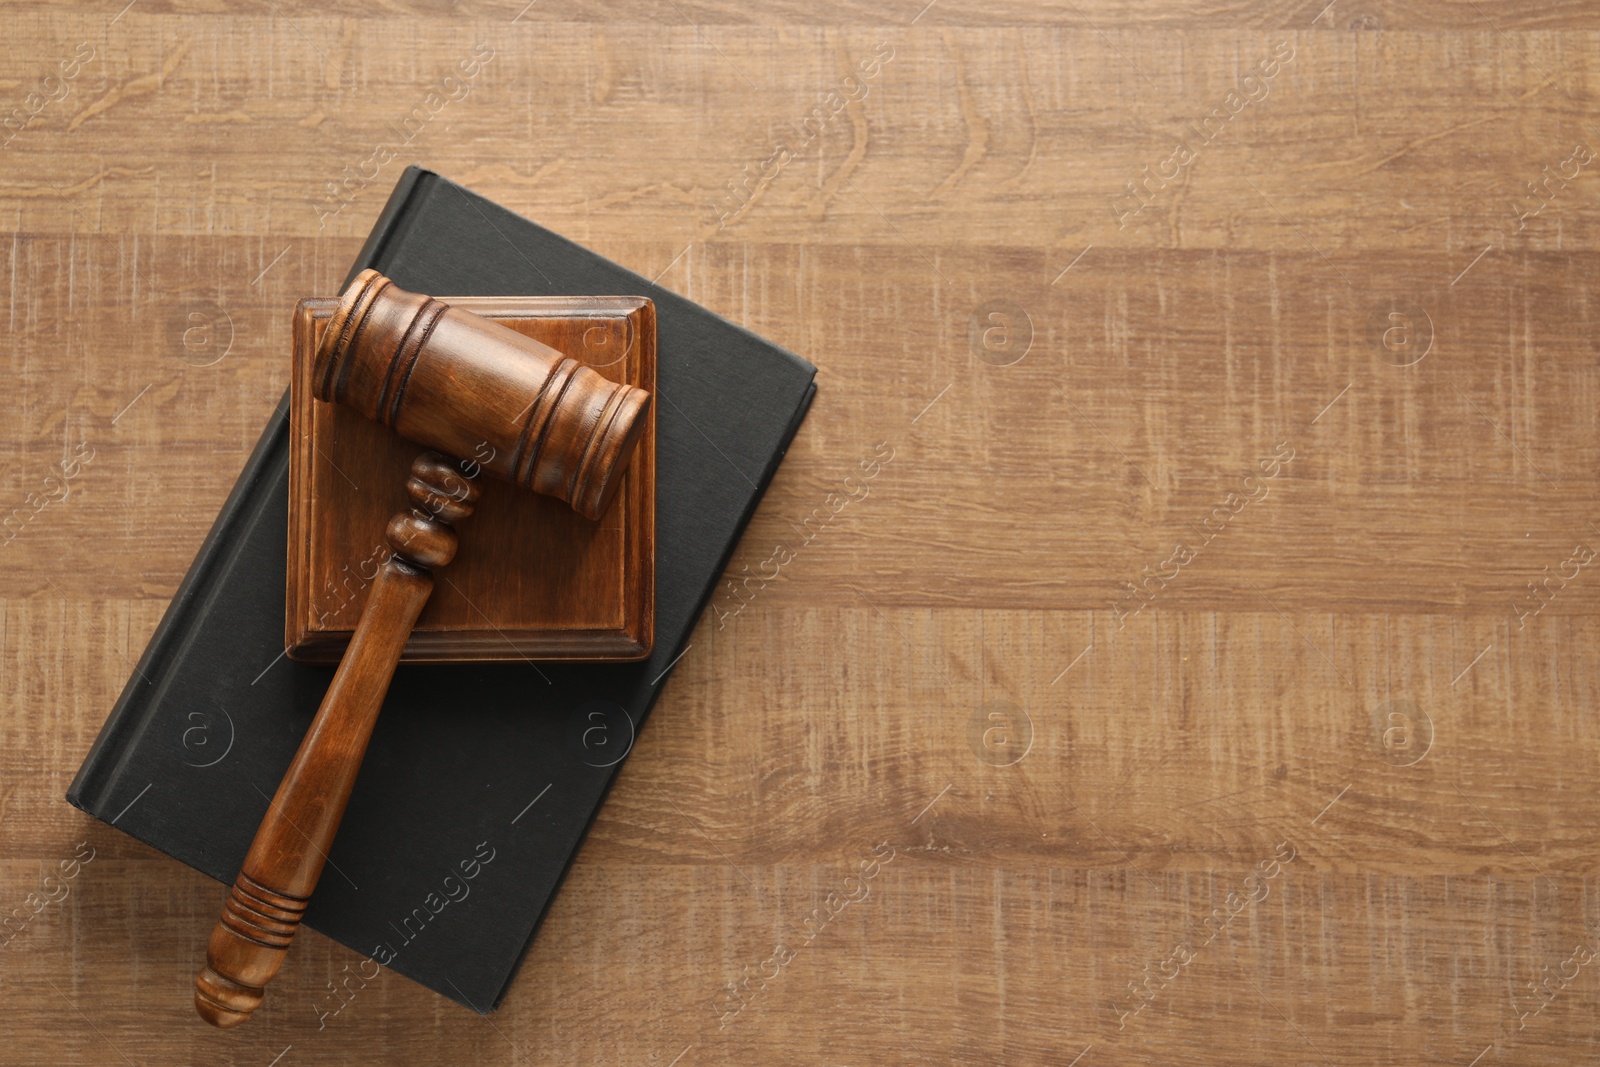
(474, 389)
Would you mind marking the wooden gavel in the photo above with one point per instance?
(455, 382)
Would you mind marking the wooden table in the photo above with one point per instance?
(1209, 676)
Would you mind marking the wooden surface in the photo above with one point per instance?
(1347, 665)
(534, 580)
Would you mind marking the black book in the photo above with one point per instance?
(474, 797)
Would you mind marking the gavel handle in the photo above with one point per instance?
(268, 899)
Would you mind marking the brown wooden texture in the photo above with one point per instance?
(171, 206)
(473, 388)
(535, 579)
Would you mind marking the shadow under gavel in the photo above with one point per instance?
(451, 381)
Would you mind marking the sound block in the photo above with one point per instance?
(533, 580)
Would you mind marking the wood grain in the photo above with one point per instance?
(849, 703)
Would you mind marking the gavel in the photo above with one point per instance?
(453, 382)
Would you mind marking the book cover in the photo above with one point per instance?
(481, 779)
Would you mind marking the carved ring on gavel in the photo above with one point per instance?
(454, 382)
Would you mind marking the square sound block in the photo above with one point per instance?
(533, 579)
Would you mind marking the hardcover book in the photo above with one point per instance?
(481, 779)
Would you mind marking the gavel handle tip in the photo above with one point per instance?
(221, 1001)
